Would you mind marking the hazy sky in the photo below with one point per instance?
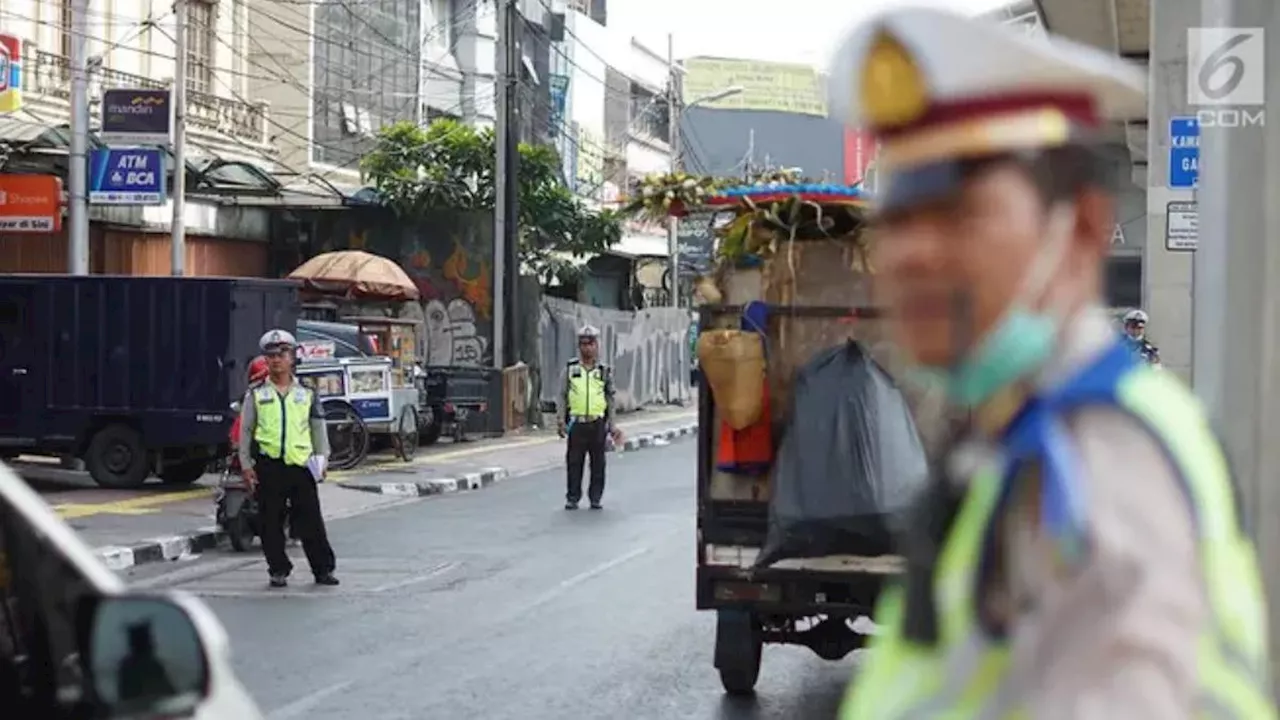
(778, 30)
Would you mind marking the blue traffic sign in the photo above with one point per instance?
(1184, 153)
(127, 176)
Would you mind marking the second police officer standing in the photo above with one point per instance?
(281, 428)
(587, 419)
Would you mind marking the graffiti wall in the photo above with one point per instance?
(648, 350)
(449, 258)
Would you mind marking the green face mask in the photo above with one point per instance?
(1022, 341)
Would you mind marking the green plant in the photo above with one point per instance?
(450, 165)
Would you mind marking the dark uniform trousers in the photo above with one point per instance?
(290, 491)
(586, 439)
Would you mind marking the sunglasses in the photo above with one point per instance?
(278, 352)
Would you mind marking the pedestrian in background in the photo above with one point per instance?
(281, 428)
(587, 419)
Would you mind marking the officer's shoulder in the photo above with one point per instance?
(573, 362)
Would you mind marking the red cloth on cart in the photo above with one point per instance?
(748, 451)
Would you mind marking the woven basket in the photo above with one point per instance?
(733, 363)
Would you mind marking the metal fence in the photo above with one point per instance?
(648, 350)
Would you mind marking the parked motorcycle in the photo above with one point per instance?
(236, 501)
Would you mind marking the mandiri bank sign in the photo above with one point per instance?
(137, 116)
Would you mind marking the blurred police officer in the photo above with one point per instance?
(1135, 328)
(281, 428)
(1080, 554)
(587, 418)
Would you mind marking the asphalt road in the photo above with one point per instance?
(499, 604)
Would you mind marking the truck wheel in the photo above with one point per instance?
(116, 458)
(739, 647)
(184, 473)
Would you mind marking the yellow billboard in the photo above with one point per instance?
(778, 87)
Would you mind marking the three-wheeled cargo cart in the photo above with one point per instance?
(798, 253)
(815, 602)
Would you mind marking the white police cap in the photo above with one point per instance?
(588, 331)
(275, 338)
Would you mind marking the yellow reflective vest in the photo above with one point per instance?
(586, 390)
(965, 675)
(283, 427)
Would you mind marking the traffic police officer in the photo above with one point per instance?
(281, 428)
(1079, 555)
(587, 418)
(1135, 328)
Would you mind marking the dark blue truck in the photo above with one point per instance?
(133, 375)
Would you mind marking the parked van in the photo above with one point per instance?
(75, 643)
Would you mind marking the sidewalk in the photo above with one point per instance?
(136, 534)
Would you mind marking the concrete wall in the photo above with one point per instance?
(649, 350)
(1166, 292)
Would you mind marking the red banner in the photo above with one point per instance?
(859, 151)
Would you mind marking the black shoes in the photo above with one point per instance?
(596, 505)
(281, 581)
(571, 506)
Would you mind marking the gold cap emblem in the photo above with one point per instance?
(893, 87)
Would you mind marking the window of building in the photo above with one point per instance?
(437, 25)
(649, 114)
(366, 72)
(1124, 281)
(202, 38)
(64, 28)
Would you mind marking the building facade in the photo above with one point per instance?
(133, 46)
(340, 72)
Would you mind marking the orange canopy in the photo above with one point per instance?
(355, 273)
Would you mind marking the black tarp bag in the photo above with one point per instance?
(849, 461)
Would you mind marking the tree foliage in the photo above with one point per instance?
(450, 165)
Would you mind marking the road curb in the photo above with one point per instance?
(160, 549)
(659, 438)
(431, 486)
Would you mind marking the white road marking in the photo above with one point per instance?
(580, 578)
(302, 705)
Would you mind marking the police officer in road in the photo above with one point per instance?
(587, 418)
(281, 428)
(1135, 329)
(1079, 553)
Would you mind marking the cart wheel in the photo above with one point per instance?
(739, 647)
(407, 434)
(348, 435)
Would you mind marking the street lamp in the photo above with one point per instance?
(674, 112)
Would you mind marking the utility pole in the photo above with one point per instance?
(751, 153)
(673, 122)
(506, 262)
(78, 230)
(178, 247)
